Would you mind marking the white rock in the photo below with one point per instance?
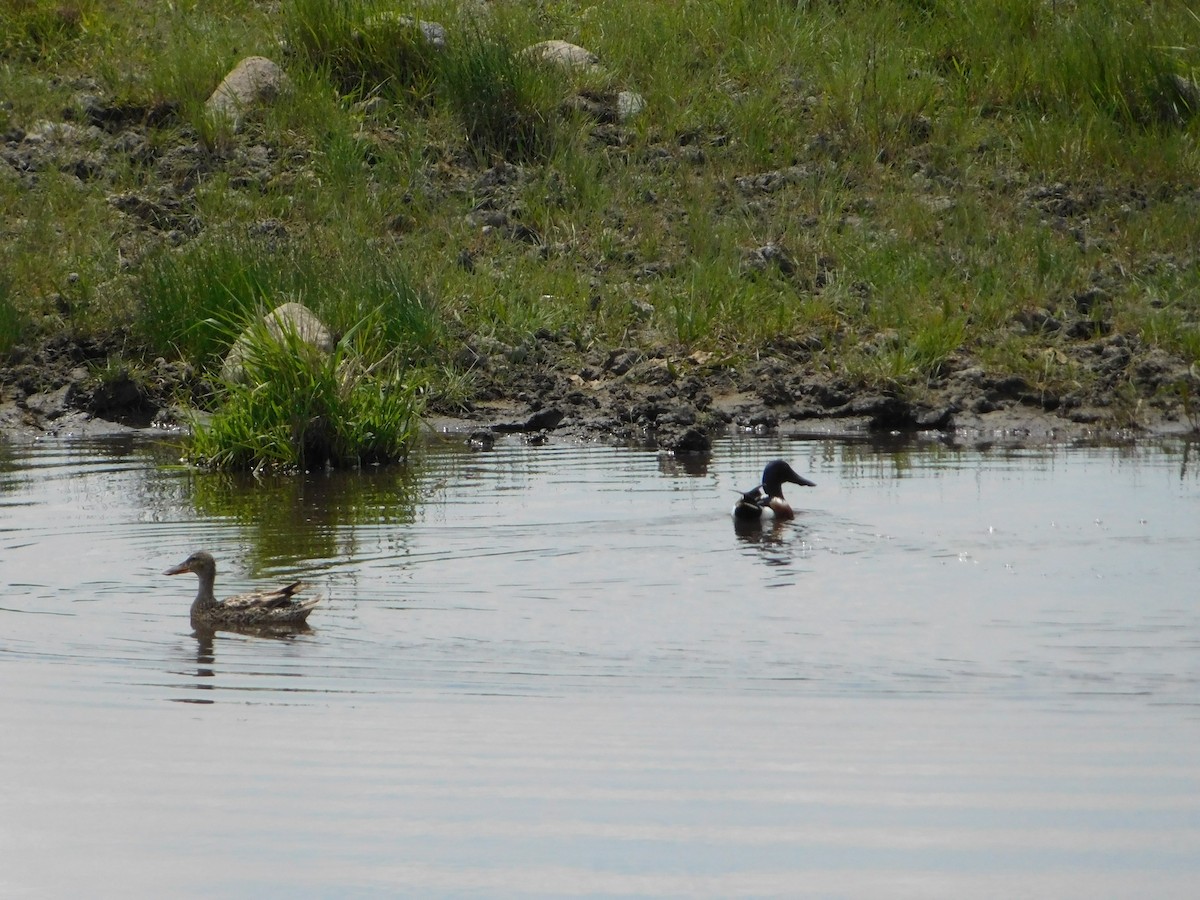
(629, 104)
(561, 53)
(284, 320)
(252, 82)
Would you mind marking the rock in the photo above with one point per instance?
(252, 82)
(769, 256)
(49, 405)
(481, 440)
(1008, 387)
(692, 440)
(629, 105)
(161, 215)
(938, 418)
(1158, 369)
(770, 182)
(621, 360)
(290, 318)
(432, 33)
(1038, 321)
(543, 420)
(883, 412)
(568, 56)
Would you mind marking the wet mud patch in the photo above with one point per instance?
(629, 396)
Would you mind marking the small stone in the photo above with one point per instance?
(544, 419)
(629, 105)
(621, 361)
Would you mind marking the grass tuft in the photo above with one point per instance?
(13, 322)
(192, 300)
(43, 31)
(507, 103)
(299, 409)
(363, 48)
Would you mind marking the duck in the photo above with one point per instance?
(766, 501)
(259, 609)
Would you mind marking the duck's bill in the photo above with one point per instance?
(177, 570)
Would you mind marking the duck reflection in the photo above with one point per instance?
(778, 543)
(206, 654)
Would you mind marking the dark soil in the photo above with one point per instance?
(73, 386)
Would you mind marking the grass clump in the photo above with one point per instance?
(362, 48)
(192, 300)
(41, 30)
(507, 102)
(13, 323)
(296, 408)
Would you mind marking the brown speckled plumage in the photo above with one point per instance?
(260, 609)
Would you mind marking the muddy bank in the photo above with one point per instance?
(548, 387)
(550, 391)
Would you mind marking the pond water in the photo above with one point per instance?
(561, 671)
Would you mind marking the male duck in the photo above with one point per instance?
(766, 501)
(260, 609)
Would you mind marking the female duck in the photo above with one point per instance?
(766, 501)
(260, 609)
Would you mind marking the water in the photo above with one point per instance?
(562, 672)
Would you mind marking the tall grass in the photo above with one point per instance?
(297, 408)
(191, 301)
(42, 30)
(13, 322)
(364, 48)
(505, 101)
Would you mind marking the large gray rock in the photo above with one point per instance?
(288, 319)
(560, 53)
(252, 82)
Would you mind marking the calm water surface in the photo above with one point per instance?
(562, 672)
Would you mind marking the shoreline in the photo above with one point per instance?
(677, 406)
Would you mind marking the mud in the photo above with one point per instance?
(551, 392)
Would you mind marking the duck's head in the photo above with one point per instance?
(200, 563)
(776, 473)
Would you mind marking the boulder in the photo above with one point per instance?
(252, 82)
(288, 319)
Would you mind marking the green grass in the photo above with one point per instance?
(505, 102)
(40, 31)
(363, 48)
(195, 300)
(942, 167)
(299, 409)
(13, 324)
